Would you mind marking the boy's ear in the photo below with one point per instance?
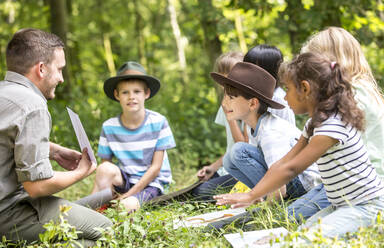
(147, 93)
(254, 103)
(116, 94)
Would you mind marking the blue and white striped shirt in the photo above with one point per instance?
(134, 148)
(345, 169)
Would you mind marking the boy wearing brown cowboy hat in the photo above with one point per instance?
(248, 92)
(138, 138)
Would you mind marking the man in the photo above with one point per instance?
(35, 60)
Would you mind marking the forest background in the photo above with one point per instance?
(177, 41)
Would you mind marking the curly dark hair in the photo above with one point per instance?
(330, 87)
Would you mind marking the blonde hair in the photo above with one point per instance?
(226, 61)
(337, 43)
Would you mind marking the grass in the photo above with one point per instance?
(152, 226)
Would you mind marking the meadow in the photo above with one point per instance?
(152, 226)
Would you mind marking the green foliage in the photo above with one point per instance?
(61, 233)
(153, 227)
(141, 31)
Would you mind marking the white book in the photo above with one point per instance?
(257, 239)
(81, 135)
(205, 219)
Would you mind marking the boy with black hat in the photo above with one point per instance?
(138, 138)
(248, 92)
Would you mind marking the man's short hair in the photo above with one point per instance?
(30, 46)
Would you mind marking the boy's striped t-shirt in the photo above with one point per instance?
(134, 148)
(345, 169)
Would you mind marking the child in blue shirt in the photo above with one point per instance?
(138, 138)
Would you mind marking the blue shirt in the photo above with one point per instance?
(134, 148)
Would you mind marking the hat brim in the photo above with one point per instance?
(111, 83)
(223, 80)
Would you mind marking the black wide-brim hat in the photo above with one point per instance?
(131, 70)
(251, 79)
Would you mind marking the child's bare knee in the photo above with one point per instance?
(106, 168)
(131, 203)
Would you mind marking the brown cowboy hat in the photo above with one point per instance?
(131, 70)
(252, 79)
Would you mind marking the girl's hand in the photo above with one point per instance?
(235, 200)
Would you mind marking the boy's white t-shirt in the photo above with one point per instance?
(285, 113)
(275, 137)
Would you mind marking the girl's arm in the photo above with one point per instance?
(299, 146)
(281, 172)
(152, 172)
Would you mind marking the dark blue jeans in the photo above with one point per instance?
(246, 163)
(216, 185)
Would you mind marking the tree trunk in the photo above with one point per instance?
(180, 43)
(212, 44)
(59, 26)
(109, 55)
(240, 32)
(140, 37)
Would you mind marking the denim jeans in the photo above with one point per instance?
(337, 221)
(246, 163)
(215, 185)
(309, 204)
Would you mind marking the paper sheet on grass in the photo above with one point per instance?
(80, 134)
(257, 239)
(205, 219)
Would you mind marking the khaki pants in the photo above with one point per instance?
(25, 221)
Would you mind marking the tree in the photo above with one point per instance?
(59, 26)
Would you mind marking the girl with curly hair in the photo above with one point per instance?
(331, 137)
(339, 44)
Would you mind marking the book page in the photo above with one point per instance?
(81, 135)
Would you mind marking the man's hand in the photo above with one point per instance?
(205, 173)
(65, 157)
(85, 166)
(236, 200)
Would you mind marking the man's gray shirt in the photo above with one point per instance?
(25, 125)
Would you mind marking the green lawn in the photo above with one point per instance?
(152, 226)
